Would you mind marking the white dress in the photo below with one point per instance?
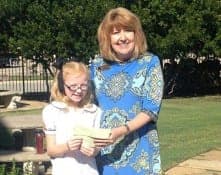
(59, 120)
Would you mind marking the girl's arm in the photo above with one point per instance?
(55, 150)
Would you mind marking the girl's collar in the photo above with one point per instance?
(63, 106)
(59, 105)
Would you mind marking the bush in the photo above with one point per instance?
(10, 169)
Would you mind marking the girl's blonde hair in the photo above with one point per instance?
(75, 69)
(120, 18)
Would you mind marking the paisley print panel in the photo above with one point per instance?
(153, 86)
(141, 163)
(117, 85)
(138, 81)
(124, 148)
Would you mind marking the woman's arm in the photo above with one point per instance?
(140, 120)
(119, 132)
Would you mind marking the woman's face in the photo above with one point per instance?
(122, 42)
(76, 88)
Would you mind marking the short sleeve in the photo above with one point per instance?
(49, 114)
(93, 112)
(98, 118)
(153, 88)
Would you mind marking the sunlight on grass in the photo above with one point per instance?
(187, 127)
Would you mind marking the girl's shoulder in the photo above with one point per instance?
(52, 111)
(55, 106)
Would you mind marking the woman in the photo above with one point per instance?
(128, 85)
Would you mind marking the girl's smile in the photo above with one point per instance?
(76, 91)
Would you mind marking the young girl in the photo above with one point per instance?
(70, 107)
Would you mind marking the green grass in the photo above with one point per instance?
(188, 127)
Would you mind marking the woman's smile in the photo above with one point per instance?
(122, 42)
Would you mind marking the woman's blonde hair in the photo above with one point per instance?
(120, 18)
(70, 68)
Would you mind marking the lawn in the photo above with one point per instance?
(187, 127)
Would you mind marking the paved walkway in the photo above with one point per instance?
(208, 163)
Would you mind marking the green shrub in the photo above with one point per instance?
(10, 169)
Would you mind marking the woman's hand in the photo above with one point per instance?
(74, 144)
(116, 134)
(90, 151)
(102, 142)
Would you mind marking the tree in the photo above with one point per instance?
(9, 14)
(63, 28)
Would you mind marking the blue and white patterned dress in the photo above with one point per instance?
(123, 90)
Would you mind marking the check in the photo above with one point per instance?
(88, 134)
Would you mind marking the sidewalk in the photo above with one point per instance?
(208, 163)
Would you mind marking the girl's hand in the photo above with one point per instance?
(74, 144)
(90, 151)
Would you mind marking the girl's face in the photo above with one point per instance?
(76, 88)
(122, 42)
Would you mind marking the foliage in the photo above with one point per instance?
(2, 169)
(7, 13)
(65, 28)
(58, 28)
(190, 78)
(10, 169)
(175, 30)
